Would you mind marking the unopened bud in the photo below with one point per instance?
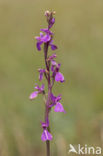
(47, 13)
(54, 12)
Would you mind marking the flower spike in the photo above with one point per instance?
(52, 73)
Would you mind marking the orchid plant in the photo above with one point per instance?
(52, 73)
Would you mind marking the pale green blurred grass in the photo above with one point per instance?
(79, 35)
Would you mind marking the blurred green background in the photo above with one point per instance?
(79, 36)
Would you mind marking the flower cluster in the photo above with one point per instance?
(51, 72)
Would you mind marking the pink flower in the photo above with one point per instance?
(33, 95)
(56, 74)
(59, 77)
(43, 38)
(39, 91)
(46, 135)
(59, 108)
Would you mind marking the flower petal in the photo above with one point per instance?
(41, 34)
(52, 68)
(46, 38)
(42, 87)
(53, 63)
(53, 47)
(58, 98)
(38, 45)
(33, 95)
(59, 77)
(41, 71)
(46, 135)
(37, 86)
(59, 108)
(52, 97)
(40, 76)
(38, 38)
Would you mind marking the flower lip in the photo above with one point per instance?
(33, 95)
(39, 43)
(46, 135)
(59, 77)
(59, 108)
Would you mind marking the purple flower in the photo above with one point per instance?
(53, 63)
(55, 66)
(55, 102)
(55, 69)
(46, 135)
(59, 108)
(54, 99)
(43, 38)
(59, 77)
(33, 95)
(39, 91)
(41, 71)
